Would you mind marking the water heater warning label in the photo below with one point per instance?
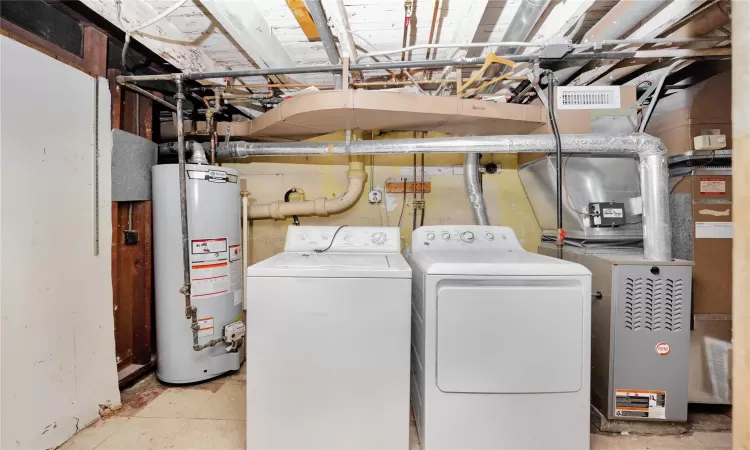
(209, 279)
(208, 250)
(206, 327)
(640, 404)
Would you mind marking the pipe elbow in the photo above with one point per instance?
(350, 197)
(649, 145)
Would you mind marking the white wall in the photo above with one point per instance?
(58, 353)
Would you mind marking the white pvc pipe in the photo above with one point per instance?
(280, 210)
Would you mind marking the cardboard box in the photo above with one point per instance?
(710, 373)
(710, 231)
(704, 108)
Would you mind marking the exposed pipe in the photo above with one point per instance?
(191, 312)
(197, 153)
(523, 22)
(651, 153)
(463, 62)
(655, 96)
(474, 188)
(245, 239)
(279, 210)
(148, 94)
(315, 8)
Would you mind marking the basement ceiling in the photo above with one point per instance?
(211, 35)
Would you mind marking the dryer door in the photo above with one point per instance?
(510, 336)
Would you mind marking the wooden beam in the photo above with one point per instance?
(162, 38)
(29, 39)
(244, 22)
(95, 52)
(741, 217)
(304, 19)
(665, 19)
(469, 16)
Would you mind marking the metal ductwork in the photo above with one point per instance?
(474, 188)
(520, 26)
(651, 153)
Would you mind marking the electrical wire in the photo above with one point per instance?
(288, 193)
(332, 239)
(558, 159)
(713, 153)
(159, 17)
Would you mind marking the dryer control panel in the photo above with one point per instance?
(343, 239)
(465, 237)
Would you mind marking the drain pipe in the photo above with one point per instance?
(280, 210)
(474, 188)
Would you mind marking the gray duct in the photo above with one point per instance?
(474, 188)
(651, 153)
(523, 22)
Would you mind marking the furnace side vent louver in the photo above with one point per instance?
(653, 304)
(588, 97)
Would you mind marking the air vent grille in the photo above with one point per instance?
(653, 304)
(588, 97)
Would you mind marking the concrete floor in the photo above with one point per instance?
(212, 416)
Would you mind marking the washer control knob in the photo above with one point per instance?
(446, 236)
(379, 238)
(490, 237)
(431, 236)
(467, 236)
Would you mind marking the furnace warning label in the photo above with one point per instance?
(208, 250)
(713, 186)
(206, 327)
(641, 404)
(209, 279)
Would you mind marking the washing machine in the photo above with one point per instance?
(328, 323)
(500, 343)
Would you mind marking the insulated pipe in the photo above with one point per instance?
(474, 188)
(315, 8)
(321, 206)
(651, 153)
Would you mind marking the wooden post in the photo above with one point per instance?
(95, 52)
(741, 243)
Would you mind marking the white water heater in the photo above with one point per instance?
(213, 207)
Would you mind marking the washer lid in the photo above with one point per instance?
(332, 265)
(494, 262)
